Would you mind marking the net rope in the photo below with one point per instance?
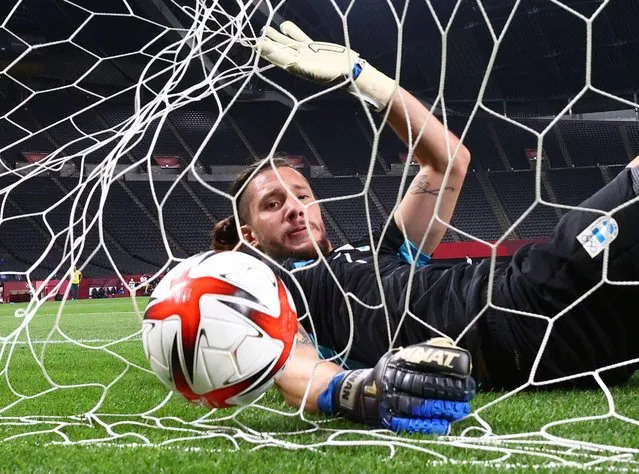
(206, 44)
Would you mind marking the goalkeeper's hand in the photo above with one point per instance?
(325, 63)
(418, 389)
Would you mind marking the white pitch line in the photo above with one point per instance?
(89, 303)
(80, 341)
(451, 462)
(110, 313)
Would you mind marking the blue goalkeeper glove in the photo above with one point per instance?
(418, 389)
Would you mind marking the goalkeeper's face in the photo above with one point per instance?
(275, 219)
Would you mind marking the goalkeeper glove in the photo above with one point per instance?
(418, 389)
(325, 63)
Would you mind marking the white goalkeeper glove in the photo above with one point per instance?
(325, 63)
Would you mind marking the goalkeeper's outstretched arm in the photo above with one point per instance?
(304, 368)
(433, 150)
(434, 146)
(421, 388)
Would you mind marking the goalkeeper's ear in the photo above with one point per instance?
(249, 235)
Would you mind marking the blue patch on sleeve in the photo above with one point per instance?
(327, 353)
(302, 263)
(408, 252)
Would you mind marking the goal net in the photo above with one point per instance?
(105, 167)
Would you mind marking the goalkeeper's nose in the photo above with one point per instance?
(295, 211)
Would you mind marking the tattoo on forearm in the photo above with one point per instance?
(423, 186)
(302, 337)
(304, 340)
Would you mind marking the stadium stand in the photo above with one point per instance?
(100, 264)
(342, 144)
(632, 131)
(387, 189)
(182, 216)
(130, 226)
(223, 148)
(484, 152)
(11, 133)
(474, 214)
(552, 149)
(593, 143)
(350, 214)
(23, 252)
(572, 186)
(615, 170)
(219, 206)
(514, 140)
(389, 146)
(192, 208)
(272, 119)
(166, 143)
(516, 193)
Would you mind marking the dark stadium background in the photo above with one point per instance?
(539, 68)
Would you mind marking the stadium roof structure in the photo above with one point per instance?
(539, 65)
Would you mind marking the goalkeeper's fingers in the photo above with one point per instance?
(276, 54)
(291, 30)
(404, 405)
(433, 386)
(417, 425)
(441, 409)
(278, 37)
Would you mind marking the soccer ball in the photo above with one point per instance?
(218, 328)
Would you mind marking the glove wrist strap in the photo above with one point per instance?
(373, 86)
(344, 395)
(348, 394)
(325, 399)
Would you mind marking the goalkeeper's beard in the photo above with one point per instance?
(280, 251)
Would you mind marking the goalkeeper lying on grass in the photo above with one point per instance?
(428, 384)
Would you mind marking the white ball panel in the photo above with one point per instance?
(201, 381)
(232, 347)
(162, 372)
(211, 307)
(215, 366)
(171, 327)
(250, 395)
(154, 339)
(255, 353)
(245, 272)
(151, 338)
(163, 287)
(224, 327)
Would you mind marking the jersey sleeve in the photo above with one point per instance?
(394, 242)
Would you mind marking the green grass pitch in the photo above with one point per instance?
(93, 376)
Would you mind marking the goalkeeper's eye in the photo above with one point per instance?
(273, 204)
(303, 197)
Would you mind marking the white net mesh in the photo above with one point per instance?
(75, 373)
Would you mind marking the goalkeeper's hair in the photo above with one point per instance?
(224, 235)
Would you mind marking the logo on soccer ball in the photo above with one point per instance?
(219, 327)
